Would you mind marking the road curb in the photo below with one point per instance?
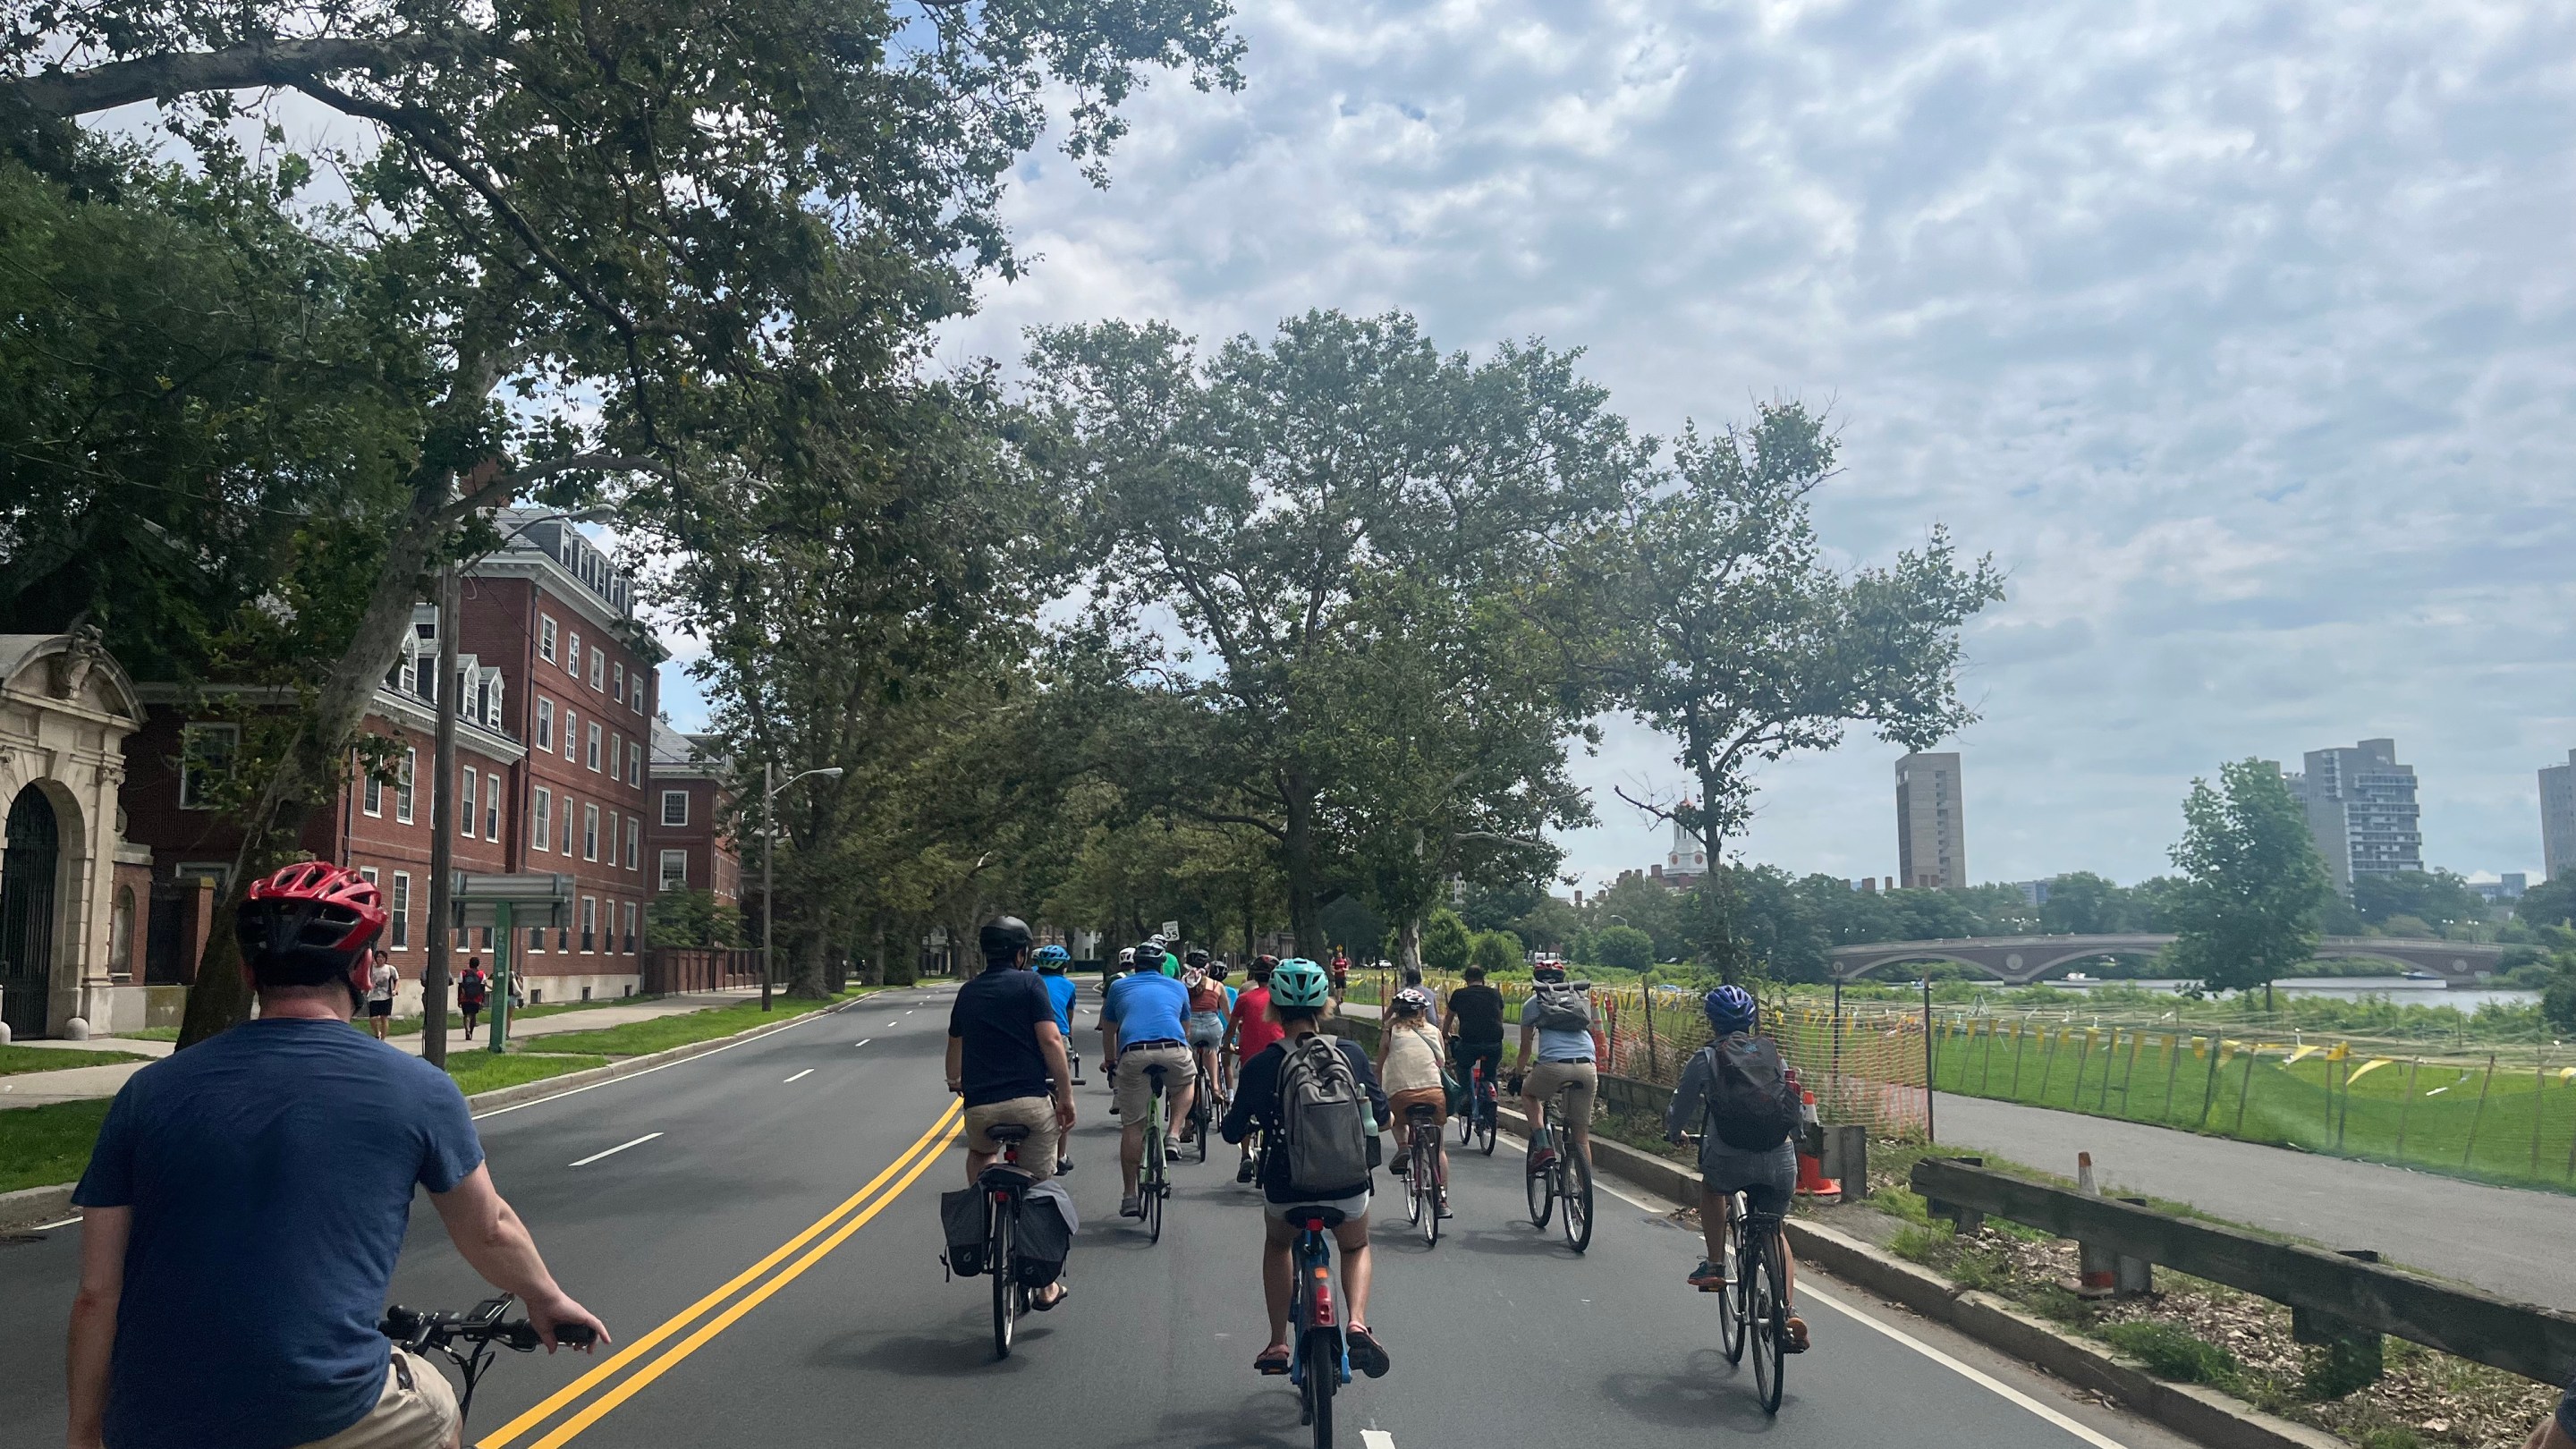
(2200, 1413)
(29, 1206)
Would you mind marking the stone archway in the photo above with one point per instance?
(30, 870)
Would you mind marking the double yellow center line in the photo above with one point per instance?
(833, 1228)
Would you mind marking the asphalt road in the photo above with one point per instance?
(769, 1265)
(2477, 1234)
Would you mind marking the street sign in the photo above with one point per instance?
(542, 899)
(1171, 930)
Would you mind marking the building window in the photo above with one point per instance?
(465, 799)
(374, 796)
(616, 754)
(635, 696)
(403, 792)
(629, 933)
(366, 873)
(572, 656)
(612, 840)
(589, 835)
(546, 637)
(589, 923)
(120, 934)
(567, 833)
(541, 816)
(675, 870)
(546, 725)
(491, 807)
(537, 940)
(617, 680)
(675, 807)
(590, 750)
(635, 762)
(634, 842)
(572, 738)
(598, 667)
(399, 907)
(205, 757)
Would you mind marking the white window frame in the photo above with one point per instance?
(616, 754)
(191, 793)
(590, 832)
(572, 737)
(572, 656)
(371, 794)
(546, 637)
(598, 669)
(491, 807)
(567, 830)
(545, 724)
(634, 842)
(590, 747)
(635, 691)
(398, 906)
(626, 938)
(406, 786)
(541, 818)
(466, 797)
(589, 924)
(671, 797)
(617, 679)
(673, 880)
(635, 762)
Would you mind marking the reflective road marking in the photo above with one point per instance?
(620, 1147)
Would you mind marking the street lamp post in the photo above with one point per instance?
(442, 805)
(768, 854)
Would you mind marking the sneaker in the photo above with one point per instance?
(1131, 1206)
(1063, 1165)
(1171, 1147)
(1541, 1159)
(1243, 1171)
(1113, 1109)
(1402, 1167)
(1708, 1277)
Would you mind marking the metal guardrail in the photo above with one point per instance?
(2330, 1294)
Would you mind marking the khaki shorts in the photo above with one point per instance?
(1398, 1104)
(1545, 1078)
(418, 1411)
(1135, 1092)
(1039, 1151)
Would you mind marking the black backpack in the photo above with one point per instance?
(1751, 1105)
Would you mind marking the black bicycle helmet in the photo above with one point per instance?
(1004, 937)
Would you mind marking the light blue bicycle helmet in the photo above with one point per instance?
(1299, 982)
(1051, 958)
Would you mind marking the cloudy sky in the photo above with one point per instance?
(2239, 333)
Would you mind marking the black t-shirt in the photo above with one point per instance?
(997, 1016)
(1480, 1013)
(1256, 1104)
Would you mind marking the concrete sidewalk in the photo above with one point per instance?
(2505, 1240)
(37, 1089)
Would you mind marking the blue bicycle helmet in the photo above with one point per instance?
(1729, 1008)
(1052, 958)
(1300, 982)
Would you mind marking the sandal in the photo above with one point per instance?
(1273, 1360)
(1367, 1354)
(1063, 1290)
(1797, 1328)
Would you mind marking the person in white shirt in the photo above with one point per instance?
(380, 997)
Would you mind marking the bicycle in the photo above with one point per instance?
(1480, 1119)
(481, 1328)
(1566, 1179)
(1423, 1178)
(1004, 1184)
(1155, 1183)
(1250, 1167)
(1754, 1308)
(1321, 1360)
(1207, 1108)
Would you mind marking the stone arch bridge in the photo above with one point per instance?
(2018, 960)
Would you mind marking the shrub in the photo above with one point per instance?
(1625, 947)
(1445, 944)
(1495, 950)
(2170, 1353)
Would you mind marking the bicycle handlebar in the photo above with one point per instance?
(419, 1330)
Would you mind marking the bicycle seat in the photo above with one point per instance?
(1154, 1075)
(1314, 1216)
(1007, 1133)
(1420, 1112)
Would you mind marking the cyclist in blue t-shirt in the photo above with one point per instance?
(1141, 1026)
(247, 1199)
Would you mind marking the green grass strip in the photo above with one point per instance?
(638, 1038)
(17, 1059)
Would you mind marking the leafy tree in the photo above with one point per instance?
(1497, 951)
(1291, 501)
(1625, 947)
(1638, 900)
(2436, 900)
(657, 226)
(2550, 903)
(1446, 946)
(692, 918)
(2081, 903)
(2246, 910)
(1729, 630)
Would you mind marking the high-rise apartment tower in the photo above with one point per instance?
(2361, 809)
(1931, 828)
(2558, 819)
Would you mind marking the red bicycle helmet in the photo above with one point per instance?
(306, 924)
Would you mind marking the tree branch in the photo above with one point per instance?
(235, 67)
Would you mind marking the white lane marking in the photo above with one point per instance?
(1376, 1439)
(648, 1071)
(891, 1025)
(800, 1076)
(863, 1041)
(49, 1227)
(1973, 1375)
(620, 1147)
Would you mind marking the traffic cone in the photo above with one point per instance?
(1812, 1181)
(2097, 1269)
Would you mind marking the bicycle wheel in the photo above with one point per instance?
(998, 1247)
(1199, 1119)
(1542, 1194)
(1323, 1351)
(1574, 1178)
(1486, 1116)
(1426, 1187)
(1768, 1329)
(1730, 1313)
(1151, 1190)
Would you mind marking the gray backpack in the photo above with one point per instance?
(1558, 1008)
(1323, 1117)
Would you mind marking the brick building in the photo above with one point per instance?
(689, 836)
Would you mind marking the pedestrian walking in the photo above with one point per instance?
(380, 997)
(472, 990)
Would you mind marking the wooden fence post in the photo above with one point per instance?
(2480, 1114)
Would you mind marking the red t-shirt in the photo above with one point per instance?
(1253, 1028)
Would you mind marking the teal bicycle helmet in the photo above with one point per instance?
(1051, 958)
(1299, 982)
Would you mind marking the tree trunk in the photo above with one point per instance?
(873, 972)
(1305, 910)
(805, 981)
(903, 953)
(1408, 943)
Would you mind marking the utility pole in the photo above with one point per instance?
(768, 877)
(442, 829)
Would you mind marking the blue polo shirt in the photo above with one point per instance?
(1060, 990)
(270, 1171)
(1147, 1006)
